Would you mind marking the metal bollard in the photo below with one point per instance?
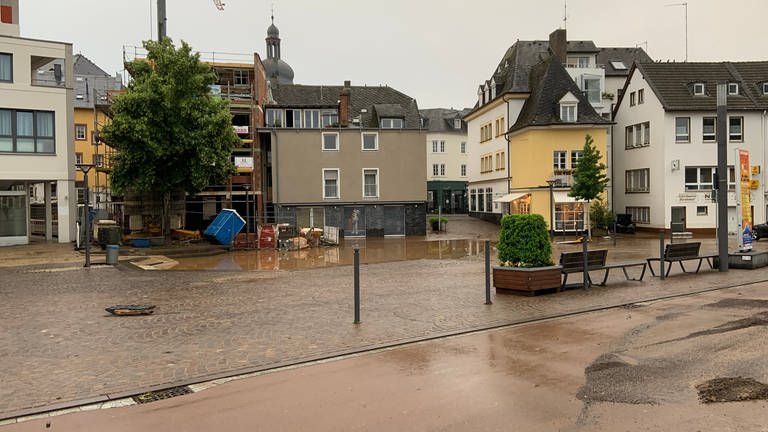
(488, 272)
(357, 286)
(661, 254)
(585, 252)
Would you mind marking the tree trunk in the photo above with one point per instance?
(589, 222)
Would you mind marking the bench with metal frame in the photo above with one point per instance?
(679, 252)
(573, 262)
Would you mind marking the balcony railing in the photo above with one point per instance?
(562, 177)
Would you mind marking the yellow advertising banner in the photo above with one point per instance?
(745, 183)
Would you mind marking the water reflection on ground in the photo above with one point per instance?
(371, 251)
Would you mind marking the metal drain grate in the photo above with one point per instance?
(162, 394)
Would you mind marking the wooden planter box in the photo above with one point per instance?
(526, 280)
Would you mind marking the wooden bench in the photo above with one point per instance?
(573, 262)
(679, 252)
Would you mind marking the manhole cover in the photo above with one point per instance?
(162, 394)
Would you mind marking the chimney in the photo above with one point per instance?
(344, 104)
(9, 18)
(558, 44)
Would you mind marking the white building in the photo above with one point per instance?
(665, 142)
(36, 146)
(447, 161)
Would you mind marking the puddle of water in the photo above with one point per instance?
(371, 251)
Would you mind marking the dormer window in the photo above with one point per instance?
(391, 123)
(765, 88)
(569, 108)
(480, 95)
(733, 89)
(568, 112)
(457, 123)
(493, 88)
(698, 89)
(487, 93)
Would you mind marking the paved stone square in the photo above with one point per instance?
(59, 346)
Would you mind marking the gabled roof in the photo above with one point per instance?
(83, 66)
(441, 119)
(627, 56)
(360, 98)
(549, 82)
(673, 82)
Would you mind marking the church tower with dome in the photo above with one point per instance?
(276, 70)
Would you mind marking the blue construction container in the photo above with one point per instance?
(225, 227)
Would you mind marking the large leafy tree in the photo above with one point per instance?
(170, 134)
(589, 177)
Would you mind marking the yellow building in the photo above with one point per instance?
(92, 88)
(527, 133)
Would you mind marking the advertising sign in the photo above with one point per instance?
(244, 163)
(743, 201)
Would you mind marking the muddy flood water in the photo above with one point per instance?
(371, 251)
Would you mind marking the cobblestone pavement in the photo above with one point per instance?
(58, 345)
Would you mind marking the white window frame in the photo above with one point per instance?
(442, 146)
(702, 183)
(442, 170)
(698, 89)
(457, 123)
(709, 137)
(338, 183)
(569, 112)
(463, 170)
(463, 147)
(81, 128)
(559, 159)
(311, 118)
(765, 88)
(391, 123)
(680, 138)
(435, 170)
(375, 141)
(434, 146)
(594, 96)
(575, 156)
(632, 99)
(637, 180)
(733, 89)
(376, 172)
(640, 96)
(276, 115)
(78, 158)
(641, 215)
(732, 137)
(322, 141)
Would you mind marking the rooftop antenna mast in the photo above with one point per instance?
(565, 14)
(685, 5)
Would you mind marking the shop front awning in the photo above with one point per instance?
(562, 197)
(510, 197)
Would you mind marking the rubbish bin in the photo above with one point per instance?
(109, 235)
(113, 251)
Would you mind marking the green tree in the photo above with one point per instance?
(589, 177)
(169, 133)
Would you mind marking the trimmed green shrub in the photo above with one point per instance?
(435, 219)
(524, 241)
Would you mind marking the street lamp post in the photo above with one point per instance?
(86, 212)
(552, 183)
(247, 217)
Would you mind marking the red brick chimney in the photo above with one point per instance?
(558, 44)
(344, 104)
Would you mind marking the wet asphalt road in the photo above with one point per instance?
(624, 369)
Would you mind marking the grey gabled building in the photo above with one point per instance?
(346, 156)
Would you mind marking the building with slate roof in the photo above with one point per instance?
(36, 146)
(528, 129)
(446, 159)
(616, 62)
(93, 87)
(665, 142)
(350, 157)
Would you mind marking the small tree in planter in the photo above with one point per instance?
(525, 254)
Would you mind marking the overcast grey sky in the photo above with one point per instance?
(436, 51)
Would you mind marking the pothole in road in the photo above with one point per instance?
(162, 394)
(732, 390)
(740, 303)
